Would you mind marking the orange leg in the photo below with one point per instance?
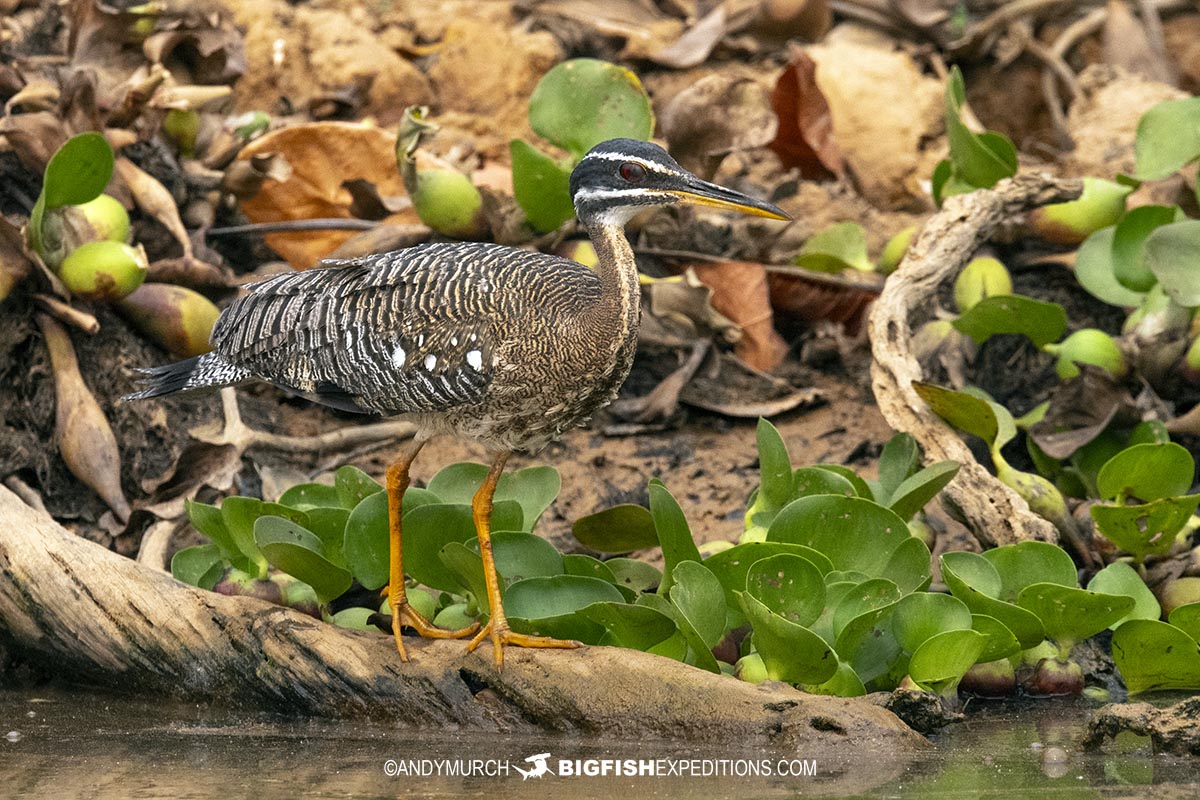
(497, 627)
(402, 613)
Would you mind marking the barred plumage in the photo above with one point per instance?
(505, 346)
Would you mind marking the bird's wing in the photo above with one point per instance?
(409, 331)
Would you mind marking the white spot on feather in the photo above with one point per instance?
(430, 361)
(399, 357)
(454, 341)
(475, 359)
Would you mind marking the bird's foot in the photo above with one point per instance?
(501, 634)
(409, 617)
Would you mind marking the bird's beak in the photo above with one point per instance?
(703, 193)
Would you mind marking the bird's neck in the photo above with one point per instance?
(620, 293)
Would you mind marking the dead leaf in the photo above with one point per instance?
(1080, 409)
(206, 50)
(191, 272)
(15, 266)
(800, 295)
(695, 44)
(323, 156)
(367, 203)
(679, 310)
(154, 199)
(805, 136)
(383, 238)
(740, 293)
(85, 439)
(1128, 45)
(717, 115)
(34, 137)
(780, 20)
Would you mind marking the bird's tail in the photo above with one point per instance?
(211, 370)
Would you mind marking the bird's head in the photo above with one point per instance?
(620, 177)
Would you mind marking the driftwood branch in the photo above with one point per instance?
(89, 614)
(995, 513)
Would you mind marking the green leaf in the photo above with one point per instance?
(1071, 615)
(619, 529)
(532, 488)
(979, 160)
(1147, 472)
(999, 641)
(1096, 272)
(1010, 313)
(583, 102)
(855, 534)
(911, 496)
(467, 568)
(355, 618)
(311, 495)
(1170, 253)
(78, 171)
(1186, 618)
(1154, 655)
(673, 532)
(1026, 563)
(775, 467)
(844, 683)
(587, 566)
(909, 566)
(635, 575)
(541, 187)
(789, 651)
(209, 521)
(733, 565)
(947, 182)
(353, 486)
(969, 414)
(861, 487)
(898, 460)
(697, 594)
(632, 626)
(1146, 529)
(1118, 578)
(699, 653)
(426, 530)
(815, 480)
(547, 606)
(972, 579)
(869, 596)
(1131, 269)
(201, 565)
(521, 555)
(866, 640)
(299, 553)
(789, 585)
(239, 515)
(940, 663)
(923, 615)
(366, 543)
(1168, 137)
(839, 246)
(329, 525)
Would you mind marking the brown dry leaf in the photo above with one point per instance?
(191, 272)
(717, 115)
(154, 199)
(805, 137)
(209, 51)
(695, 44)
(15, 266)
(367, 203)
(1080, 409)
(322, 156)
(85, 439)
(780, 20)
(740, 293)
(1128, 45)
(679, 310)
(33, 137)
(809, 297)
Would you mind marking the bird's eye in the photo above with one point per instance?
(632, 172)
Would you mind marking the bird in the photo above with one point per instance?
(500, 345)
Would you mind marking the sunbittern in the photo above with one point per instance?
(504, 346)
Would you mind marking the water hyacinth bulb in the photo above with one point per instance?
(1101, 205)
(104, 270)
(66, 228)
(983, 277)
(893, 252)
(1088, 346)
(108, 218)
(177, 318)
(448, 202)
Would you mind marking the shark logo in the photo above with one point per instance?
(539, 768)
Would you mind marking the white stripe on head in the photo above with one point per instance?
(586, 193)
(652, 166)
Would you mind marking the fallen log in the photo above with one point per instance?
(89, 615)
(995, 513)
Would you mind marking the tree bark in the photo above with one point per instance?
(90, 615)
(995, 513)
